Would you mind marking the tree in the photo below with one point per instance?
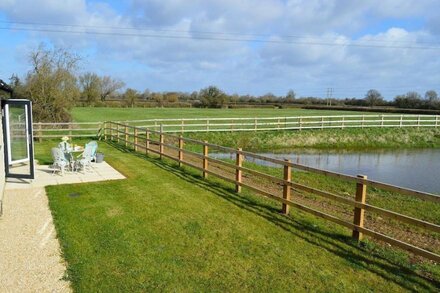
(17, 87)
(213, 97)
(290, 97)
(373, 98)
(411, 100)
(158, 98)
(268, 98)
(109, 86)
(52, 84)
(130, 96)
(146, 95)
(432, 99)
(90, 84)
(172, 97)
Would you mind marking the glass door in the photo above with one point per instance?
(18, 140)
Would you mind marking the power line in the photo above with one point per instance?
(160, 29)
(157, 36)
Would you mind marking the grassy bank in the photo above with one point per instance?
(366, 138)
(163, 229)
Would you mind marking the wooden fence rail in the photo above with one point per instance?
(285, 123)
(158, 142)
(184, 125)
(71, 129)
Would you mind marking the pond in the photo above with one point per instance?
(416, 168)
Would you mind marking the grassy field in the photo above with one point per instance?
(163, 229)
(89, 114)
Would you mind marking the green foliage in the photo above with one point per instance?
(213, 97)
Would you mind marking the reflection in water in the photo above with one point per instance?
(417, 169)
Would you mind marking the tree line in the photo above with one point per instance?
(55, 86)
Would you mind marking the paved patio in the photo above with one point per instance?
(44, 176)
(30, 255)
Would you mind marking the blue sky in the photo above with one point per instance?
(307, 46)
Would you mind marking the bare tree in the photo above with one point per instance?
(130, 96)
(52, 84)
(90, 84)
(373, 98)
(109, 86)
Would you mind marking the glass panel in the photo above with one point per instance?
(18, 133)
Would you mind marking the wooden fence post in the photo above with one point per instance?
(278, 125)
(343, 122)
(322, 122)
(111, 130)
(182, 127)
(363, 121)
(300, 123)
(205, 159)
(381, 121)
(180, 151)
(436, 121)
(126, 136)
(147, 142)
(286, 186)
(135, 139)
(401, 120)
(361, 195)
(40, 132)
(418, 121)
(255, 124)
(239, 163)
(117, 133)
(161, 141)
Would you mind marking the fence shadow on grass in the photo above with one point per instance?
(334, 242)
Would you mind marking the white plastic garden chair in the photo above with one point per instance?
(86, 160)
(59, 160)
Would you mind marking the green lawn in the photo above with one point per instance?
(163, 229)
(90, 114)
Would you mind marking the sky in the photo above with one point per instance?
(242, 46)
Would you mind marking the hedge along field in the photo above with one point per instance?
(91, 114)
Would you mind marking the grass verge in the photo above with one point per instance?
(366, 138)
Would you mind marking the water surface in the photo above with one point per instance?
(416, 168)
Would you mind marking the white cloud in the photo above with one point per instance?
(189, 64)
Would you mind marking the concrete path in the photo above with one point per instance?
(30, 255)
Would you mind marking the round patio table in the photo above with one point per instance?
(72, 154)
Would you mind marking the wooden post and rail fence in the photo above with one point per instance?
(173, 147)
(186, 125)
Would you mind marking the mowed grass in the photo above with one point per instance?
(165, 229)
(90, 114)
